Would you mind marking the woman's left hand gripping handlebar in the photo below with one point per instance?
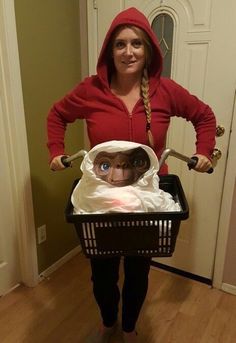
(203, 164)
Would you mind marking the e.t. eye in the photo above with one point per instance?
(139, 163)
(105, 166)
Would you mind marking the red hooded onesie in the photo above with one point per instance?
(107, 117)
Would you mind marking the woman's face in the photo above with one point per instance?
(128, 52)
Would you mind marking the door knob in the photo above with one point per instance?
(220, 130)
(216, 155)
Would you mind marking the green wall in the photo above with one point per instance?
(49, 48)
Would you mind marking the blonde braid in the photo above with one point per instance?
(147, 106)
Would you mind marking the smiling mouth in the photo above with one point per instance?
(128, 63)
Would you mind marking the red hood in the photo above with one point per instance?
(133, 17)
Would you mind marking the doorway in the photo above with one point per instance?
(200, 45)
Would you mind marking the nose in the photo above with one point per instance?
(118, 171)
(129, 49)
(121, 165)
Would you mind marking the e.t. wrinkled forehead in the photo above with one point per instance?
(131, 153)
(112, 155)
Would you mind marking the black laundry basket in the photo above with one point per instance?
(139, 234)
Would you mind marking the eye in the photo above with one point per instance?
(119, 44)
(139, 163)
(105, 166)
(137, 43)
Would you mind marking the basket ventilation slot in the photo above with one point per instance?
(164, 234)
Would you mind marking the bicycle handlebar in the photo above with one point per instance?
(191, 162)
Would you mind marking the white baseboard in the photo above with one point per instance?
(10, 290)
(229, 288)
(59, 263)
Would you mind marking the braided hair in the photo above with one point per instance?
(147, 106)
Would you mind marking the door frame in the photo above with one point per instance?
(17, 144)
(227, 192)
(226, 205)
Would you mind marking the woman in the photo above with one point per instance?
(128, 100)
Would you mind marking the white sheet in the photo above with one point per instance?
(93, 195)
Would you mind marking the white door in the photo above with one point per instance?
(18, 258)
(203, 62)
(9, 255)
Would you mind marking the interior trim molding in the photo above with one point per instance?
(229, 288)
(47, 272)
(17, 144)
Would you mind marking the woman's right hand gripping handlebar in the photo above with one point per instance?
(57, 163)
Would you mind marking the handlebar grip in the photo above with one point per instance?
(193, 163)
(210, 171)
(64, 162)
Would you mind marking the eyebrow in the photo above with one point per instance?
(124, 40)
(105, 154)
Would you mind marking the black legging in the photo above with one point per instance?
(105, 275)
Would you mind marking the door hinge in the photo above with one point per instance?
(95, 4)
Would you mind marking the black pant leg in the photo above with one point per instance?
(136, 270)
(105, 275)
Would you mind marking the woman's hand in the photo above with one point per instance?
(203, 164)
(56, 163)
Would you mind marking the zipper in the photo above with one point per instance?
(131, 118)
(131, 136)
(130, 115)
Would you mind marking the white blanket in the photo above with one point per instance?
(93, 195)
